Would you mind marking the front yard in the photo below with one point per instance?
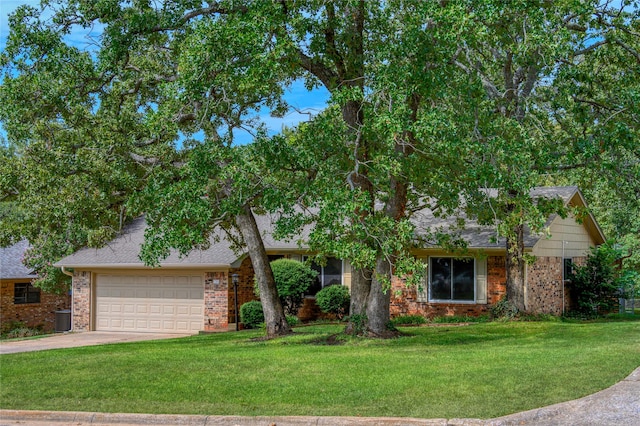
(481, 370)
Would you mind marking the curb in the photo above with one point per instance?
(84, 418)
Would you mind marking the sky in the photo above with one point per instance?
(303, 103)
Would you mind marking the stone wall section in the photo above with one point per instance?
(81, 306)
(544, 286)
(34, 315)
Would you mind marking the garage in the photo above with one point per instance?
(171, 303)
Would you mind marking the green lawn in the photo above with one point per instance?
(481, 370)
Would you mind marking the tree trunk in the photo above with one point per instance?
(360, 288)
(274, 317)
(516, 268)
(379, 300)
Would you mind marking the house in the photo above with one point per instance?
(20, 301)
(114, 291)
(470, 284)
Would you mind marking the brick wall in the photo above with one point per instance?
(245, 288)
(40, 315)
(81, 306)
(405, 301)
(496, 279)
(216, 301)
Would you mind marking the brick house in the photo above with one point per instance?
(20, 301)
(113, 290)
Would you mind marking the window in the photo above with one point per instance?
(25, 293)
(330, 274)
(452, 279)
(567, 268)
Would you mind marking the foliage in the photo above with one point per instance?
(17, 329)
(292, 279)
(292, 320)
(454, 319)
(334, 299)
(594, 285)
(419, 90)
(409, 320)
(358, 324)
(251, 314)
(503, 309)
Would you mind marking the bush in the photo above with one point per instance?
(409, 320)
(292, 320)
(251, 314)
(504, 310)
(293, 279)
(17, 329)
(334, 299)
(594, 284)
(457, 319)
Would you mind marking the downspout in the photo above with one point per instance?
(67, 273)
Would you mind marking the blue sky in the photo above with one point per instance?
(302, 102)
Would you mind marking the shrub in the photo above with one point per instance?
(292, 320)
(17, 329)
(456, 319)
(23, 332)
(409, 320)
(251, 314)
(334, 299)
(504, 310)
(293, 279)
(594, 284)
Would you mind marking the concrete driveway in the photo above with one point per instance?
(73, 340)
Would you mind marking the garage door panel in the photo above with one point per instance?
(149, 303)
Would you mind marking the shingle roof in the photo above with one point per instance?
(11, 262)
(123, 251)
(484, 236)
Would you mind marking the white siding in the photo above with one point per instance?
(567, 232)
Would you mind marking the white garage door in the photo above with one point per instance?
(152, 303)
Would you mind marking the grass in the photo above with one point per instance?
(481, 370)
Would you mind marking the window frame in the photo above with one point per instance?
(30, 292)
(567, 263)
(305, 258)
(453, 301)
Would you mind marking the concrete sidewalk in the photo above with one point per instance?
(617, 405)
(73, 340)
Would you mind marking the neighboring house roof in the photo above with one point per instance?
(11, 265)
(123, 251)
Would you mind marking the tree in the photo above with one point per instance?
(600, 121)
(419, 92)
(521, 57)
(111, 121)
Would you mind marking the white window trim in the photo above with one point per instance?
(449, 301)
